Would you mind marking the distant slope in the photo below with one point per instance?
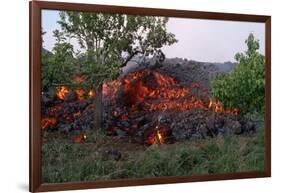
(186, 71)
(224, 67)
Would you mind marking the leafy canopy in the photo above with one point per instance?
(58, 65)
(107, 41)
(245, 86)
(115, 36)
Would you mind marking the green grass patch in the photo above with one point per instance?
(65, 161)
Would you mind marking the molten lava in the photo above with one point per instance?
(62, 92)
(216, 106)
(157, 137)
(48, 121)
(80, 93)
(135, 101)
(151, 91)
(91, 93)
(157, 92)
(79, 138)
(55, 113)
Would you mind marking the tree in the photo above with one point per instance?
(111, 41)
(58, 66)
(116, 37)
(245, 86)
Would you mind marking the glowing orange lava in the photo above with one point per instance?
(80, 93)
(47, 121)
(62, 92)
(91, 93)
(158, 137)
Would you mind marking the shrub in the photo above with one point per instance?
(245, 86)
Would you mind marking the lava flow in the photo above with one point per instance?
(151, 91)
(158, 92)
(150, 106)
(55, 113)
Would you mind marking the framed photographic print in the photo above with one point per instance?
(123, 96)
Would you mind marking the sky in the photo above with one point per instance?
(198, 39)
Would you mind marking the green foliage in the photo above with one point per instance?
(245, 86)
(57, 67)
(111, 35)
(111, 40)
(107, 42)
(95, 73)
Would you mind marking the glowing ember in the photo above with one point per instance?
(156, 138)
(218, 107)
(159, 137)
(91, 93)
(210, 104)
(175, 105)
(80, 93)
(47, 121)
(79, 138)
(62, 92)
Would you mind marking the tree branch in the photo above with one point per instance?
(130, 57)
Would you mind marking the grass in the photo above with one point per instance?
(65, 161)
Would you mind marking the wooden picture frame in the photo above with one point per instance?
(35, 7)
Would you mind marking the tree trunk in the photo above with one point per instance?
(98, 109)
